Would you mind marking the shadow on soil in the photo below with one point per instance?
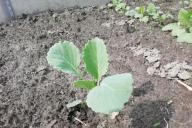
(144, 89)
(151, 114)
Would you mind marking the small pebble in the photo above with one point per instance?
(41, 68)
(152, 59)
(120, 23)
(170, 65)
(173, 72)
(106, 24)
(151, 70)
(55, 15)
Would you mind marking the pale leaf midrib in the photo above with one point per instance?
(68, 62)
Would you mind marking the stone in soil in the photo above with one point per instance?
(184, 75)
(170, 70)
(173, 72)
(151, 70)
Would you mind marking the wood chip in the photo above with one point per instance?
(185, 85)
(51, 124)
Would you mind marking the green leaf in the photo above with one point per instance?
(116, 1)
(169, 27)
(185, 18)
(163, 17)
(96, 58)
(151, 9)
(185, 37)
(156, 16)
(190, 29)
(85, 84)
(127, 8)
(144, 19)
(141, 10)
(64, 56)
(113, 92)
(131, 13)
(177, 31)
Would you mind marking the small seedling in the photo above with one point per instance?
(183, 28)
(120, 6)
(145, 13)
(107, 96)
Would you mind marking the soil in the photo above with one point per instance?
(34, 95)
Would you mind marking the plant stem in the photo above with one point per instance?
(79, 74)
(98, 82)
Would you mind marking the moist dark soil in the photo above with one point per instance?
(34, 95)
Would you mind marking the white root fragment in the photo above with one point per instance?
(113, 115)
(185, 85)
(80, 121)
(74, 103)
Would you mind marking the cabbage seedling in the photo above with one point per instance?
(183, 28)
(106, 95)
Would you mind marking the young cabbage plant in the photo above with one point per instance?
(183, 28)
(105, 96)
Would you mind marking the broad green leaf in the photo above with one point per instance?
(96, 58)
(185, 37)
(177, 31)
(85, 84)
(185, 18)
(113, 92)
(169, 27)
(64, 56)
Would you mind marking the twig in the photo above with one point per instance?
(51, 124)
(80, 121)
(166, 123)
(185, 85)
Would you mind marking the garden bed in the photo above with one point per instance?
(34, 95)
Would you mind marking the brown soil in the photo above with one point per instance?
(33, 95)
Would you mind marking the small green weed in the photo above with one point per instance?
(183, 28)
(143, 13)
(120, 6)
